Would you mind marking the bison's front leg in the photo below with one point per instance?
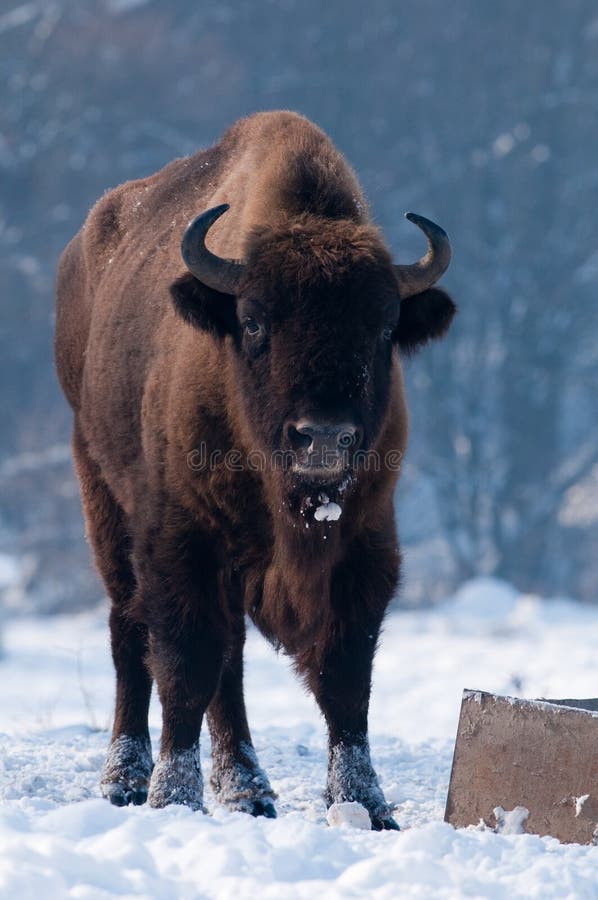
(339, 670)
(177, 574)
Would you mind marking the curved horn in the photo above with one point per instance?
(417, 277)
(214, 271)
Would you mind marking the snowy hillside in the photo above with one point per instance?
(59, 839)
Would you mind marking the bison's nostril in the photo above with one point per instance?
(349, 438)
(299, 439)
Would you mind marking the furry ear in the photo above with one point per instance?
(204, 307)
(423, 318)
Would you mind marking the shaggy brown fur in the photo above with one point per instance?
(156, 366)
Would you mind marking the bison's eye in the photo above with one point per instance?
(252, 326)
(387, 333)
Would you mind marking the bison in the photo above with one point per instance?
(237, 428)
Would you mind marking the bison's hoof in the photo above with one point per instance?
(263, 808)
(127, 771)
(176, 779)
(119, 795)
(241, 785)
(387, 824)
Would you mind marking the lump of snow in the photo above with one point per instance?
(327, 511)
(350, 814)
(579, 802)
(511, 821)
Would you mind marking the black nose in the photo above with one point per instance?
(322, 443)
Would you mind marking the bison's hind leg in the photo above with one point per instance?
(238, 781)
(128, 767)
(240, 784)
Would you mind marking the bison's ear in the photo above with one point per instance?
(422, 318)
(204, 307)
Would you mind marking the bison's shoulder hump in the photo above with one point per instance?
(104, 227)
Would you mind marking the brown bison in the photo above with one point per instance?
(237, 427)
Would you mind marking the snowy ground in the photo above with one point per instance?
(59, 839)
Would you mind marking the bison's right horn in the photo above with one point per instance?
(419, 276)
(214, 271)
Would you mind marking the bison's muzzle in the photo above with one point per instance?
(322, 449)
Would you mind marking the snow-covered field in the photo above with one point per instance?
(59, 839)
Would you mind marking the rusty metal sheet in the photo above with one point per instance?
(526, 765)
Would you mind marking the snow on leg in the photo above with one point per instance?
(239, 782)
(127, 770)
(177, 779)
(351, 779)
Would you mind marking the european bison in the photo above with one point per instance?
(237, 431)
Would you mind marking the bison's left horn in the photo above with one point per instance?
(216, 272)
(417, 277)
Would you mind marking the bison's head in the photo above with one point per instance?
(313, 318)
